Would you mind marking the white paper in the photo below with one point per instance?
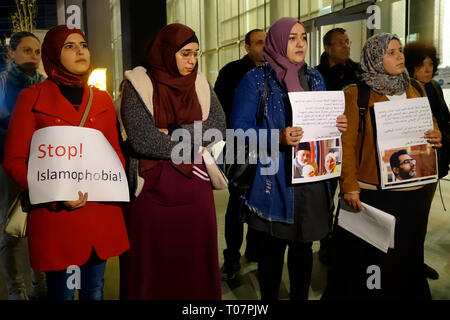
(401, 125)
(371, 224)
(65, 159)
(316, 113)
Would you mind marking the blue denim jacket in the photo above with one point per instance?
(271, 196)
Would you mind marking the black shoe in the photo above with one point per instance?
(229, 271)
(430, 272)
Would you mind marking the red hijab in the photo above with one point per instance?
(51, 57)
(175, 100)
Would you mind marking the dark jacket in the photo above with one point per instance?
(442, 115)
(12, 81)
(227, 81)
(339, 76)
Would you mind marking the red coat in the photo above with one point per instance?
(58, 239)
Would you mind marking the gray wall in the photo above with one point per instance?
(98, 30)
(141, 20)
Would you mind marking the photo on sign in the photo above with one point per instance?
(412, 165)
(316, 160)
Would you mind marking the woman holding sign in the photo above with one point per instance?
(285, 215)
(71, 238)
(360, 270)
(172, 220)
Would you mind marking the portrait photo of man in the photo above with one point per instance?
(303, 161)
(403, 165)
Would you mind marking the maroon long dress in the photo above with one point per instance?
(173, 238)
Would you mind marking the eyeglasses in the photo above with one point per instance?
(342, 43)
(408, 161)
(186, 54)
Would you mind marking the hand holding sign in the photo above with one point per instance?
(72, 205)
(341, 123)
(291, 136)
(434, 137)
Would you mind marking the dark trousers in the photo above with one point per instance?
(234, 231)
(401, 272)
(61, 284)
(270, 267)
(325, 243)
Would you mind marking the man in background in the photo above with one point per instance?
(232, 73)
(338, 71)
(227, 81)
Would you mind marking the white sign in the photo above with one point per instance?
(371, 224)
(65, 159)
(319, 154)
(405, 157)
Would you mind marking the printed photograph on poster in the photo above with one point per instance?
(405, 157)
(408, 165)
(316, 160)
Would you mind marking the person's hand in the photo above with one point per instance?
(434, 137)
(82, 199)
(165, 131)
(341, 123)
(291, 136)
(352, 199)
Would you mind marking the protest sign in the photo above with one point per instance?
(319, 154)
(404, 155)
(66, 159)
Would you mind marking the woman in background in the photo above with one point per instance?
(172, 220)
(421, 62)
(25, 55)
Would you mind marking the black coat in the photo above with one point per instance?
(339, 76)
(441, 114)
(227, 81)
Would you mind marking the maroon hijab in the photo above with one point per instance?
(175, 100)
(275, 52)
(51, 57)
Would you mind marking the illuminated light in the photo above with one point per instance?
(98, 78)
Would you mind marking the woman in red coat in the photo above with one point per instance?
(71, 233)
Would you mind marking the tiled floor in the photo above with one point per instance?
(245, 286)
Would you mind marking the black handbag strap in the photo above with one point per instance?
(263, 103)
(363, 103)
